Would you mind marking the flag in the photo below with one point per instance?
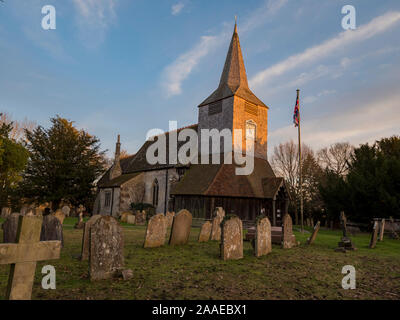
(296, 115)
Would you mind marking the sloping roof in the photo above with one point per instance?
(271, 186)
(233, 79)
(117, 182)
(221, 180)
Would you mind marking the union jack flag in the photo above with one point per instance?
(296, 115)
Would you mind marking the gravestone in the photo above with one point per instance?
(106, 256)
(219, 215)
(130, 219)
(381, 229)
(51, 229)
(24, 210)
(288, 238)
(86, 237)
(314, 234)
(345, 243)
(124, 216)
(263, 239)
(374, 235)
(5, 212)
(60, 215)
(156, 231)
(181, 228)
(170, 219)
(231, 246)
(10, 228)
(66, 211)
(205, 232)
(140, 218)
(24, 255)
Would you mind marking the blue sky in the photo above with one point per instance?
(125, 67)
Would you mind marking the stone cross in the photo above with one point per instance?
(381, 230)
(314, 234)
(23, 257)
(374, 236)
(343, 221)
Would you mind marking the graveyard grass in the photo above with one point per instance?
(195, 271)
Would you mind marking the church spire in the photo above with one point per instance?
(116, 170)
(234, 78)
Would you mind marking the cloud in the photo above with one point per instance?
(349, 124)
(178, 71)
(177, 8)
(94, 18)
(343, 39)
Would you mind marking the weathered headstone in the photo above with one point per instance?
(141, 218)
(60, 215)
(170, 219)
(5, 212)
(66, 210)
(219, 215)
(156, 231)
(51, 229)
(86, 237)
(345, 243)
(124, 216)
(205, 232)
(10, 228)
(23, 257)
(106, 257)
(231, 246)
(314, 234)
(263, 239)
(181, 228)
(288, 238)
(131, 219)
(381, 229)
(374, 235)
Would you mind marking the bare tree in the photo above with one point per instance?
(124, 154)
(336, 157)
(19, 127)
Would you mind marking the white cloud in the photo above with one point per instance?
(177, 8)
(94, 17)
(354, 125)
(346, 38)
(178, 71)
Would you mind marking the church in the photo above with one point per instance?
(200, 188)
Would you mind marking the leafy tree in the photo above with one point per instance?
(64, 163)
(13, 159)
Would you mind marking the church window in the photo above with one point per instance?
(107, 199)
(251, 130)
(156, 190)
(215, 108)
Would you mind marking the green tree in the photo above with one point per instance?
(64, 163)
(13, 159)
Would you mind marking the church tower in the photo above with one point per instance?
(233, 105)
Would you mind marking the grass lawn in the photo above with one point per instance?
(194, 271)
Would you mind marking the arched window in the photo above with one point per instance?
(156, 189)
(251, 130)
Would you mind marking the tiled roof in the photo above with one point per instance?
(233, 80)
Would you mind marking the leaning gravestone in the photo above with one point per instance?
(59, 214)
(51, 229)
(374, 236)
(314, 234)
(106, 257)
(263, 239)
(156, 231)
(231, 246)
(10, 228)
(170, 219)
(205, 232)
(5, 212)
(288, 238)
(66, 211)
(181, 228)
(86, 237)
(141, 218)
(219, 215)
(381, 229)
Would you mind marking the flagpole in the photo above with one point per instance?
(300, 169)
